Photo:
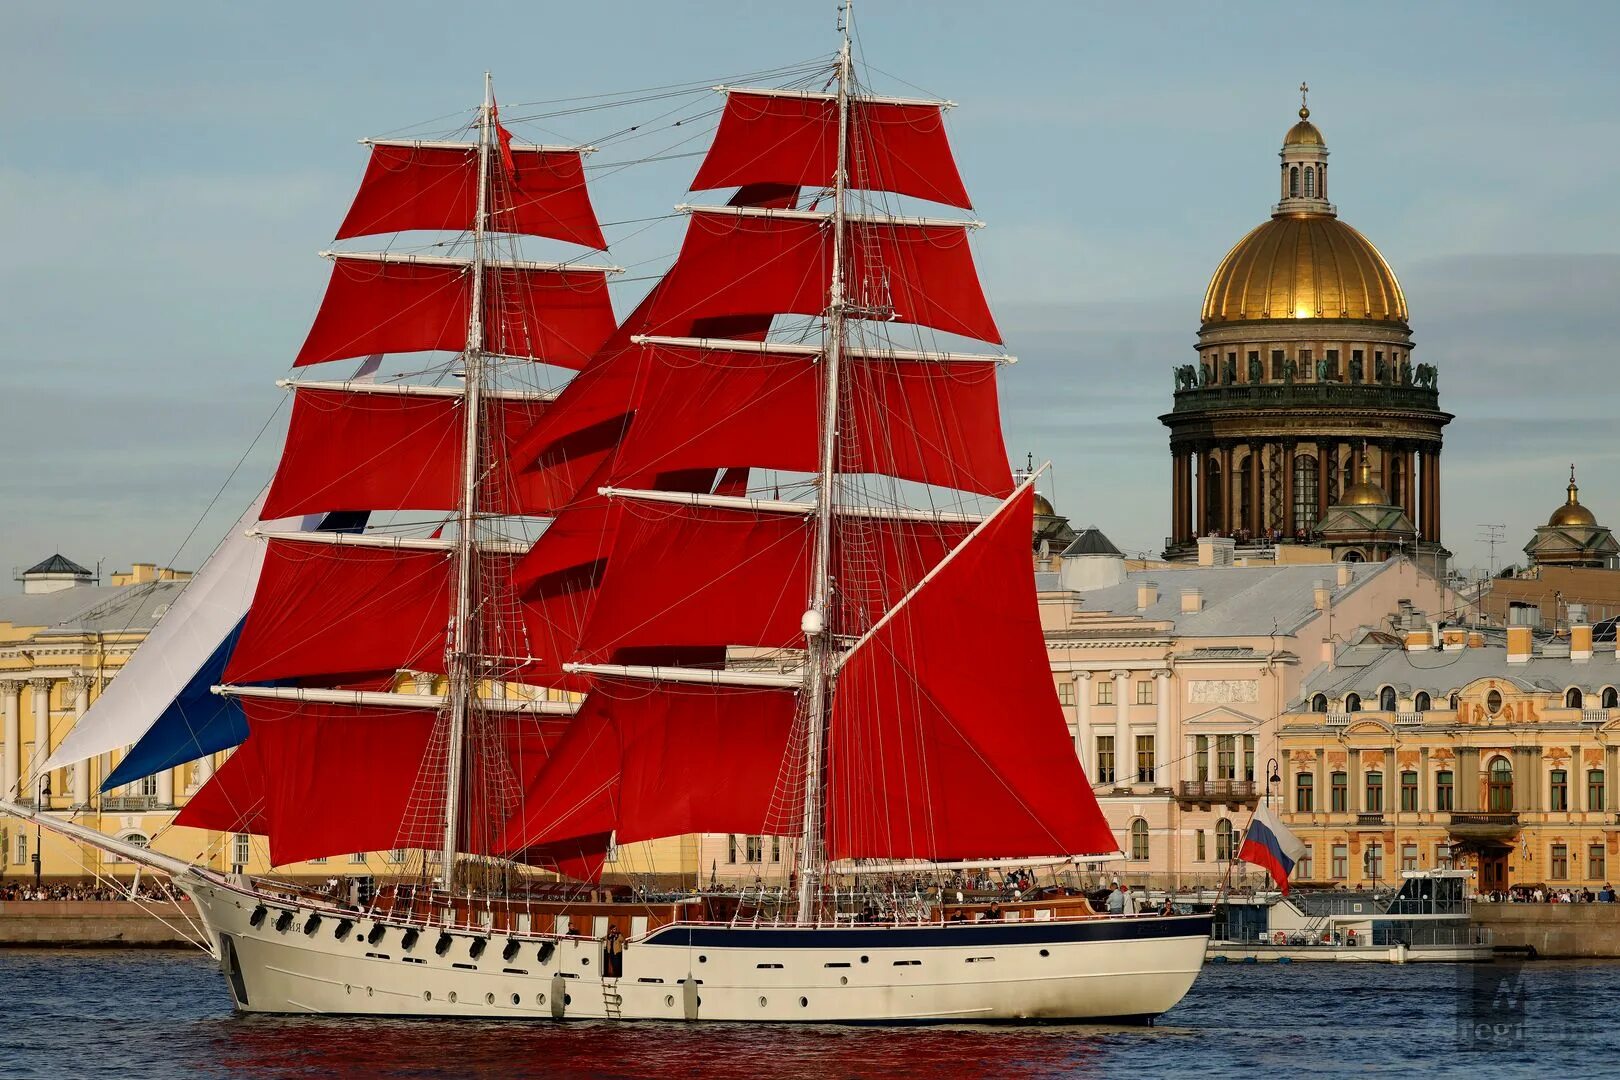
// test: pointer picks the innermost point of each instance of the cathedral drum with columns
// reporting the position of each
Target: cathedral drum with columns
(1305, 397)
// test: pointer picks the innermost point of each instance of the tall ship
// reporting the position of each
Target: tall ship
(759, 568)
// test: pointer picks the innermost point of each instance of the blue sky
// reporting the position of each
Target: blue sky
(172, 169)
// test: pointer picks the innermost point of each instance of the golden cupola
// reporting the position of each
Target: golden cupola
(1364, 492)
(1572, 512)
(1304, 263)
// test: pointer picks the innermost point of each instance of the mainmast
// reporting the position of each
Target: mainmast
(818, 632)
(463, 679)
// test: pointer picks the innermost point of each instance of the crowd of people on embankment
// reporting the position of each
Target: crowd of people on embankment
(154, 892)
(1540, 894)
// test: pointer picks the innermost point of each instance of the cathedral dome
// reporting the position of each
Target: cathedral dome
(1304, 266)
(1304, 133)
(1572, 512)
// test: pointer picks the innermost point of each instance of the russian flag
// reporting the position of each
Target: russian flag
(1270, 844)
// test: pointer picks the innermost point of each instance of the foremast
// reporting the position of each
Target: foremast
(818, 631)
(462, 656)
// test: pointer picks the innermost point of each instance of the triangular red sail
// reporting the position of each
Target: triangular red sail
(922, 761)
(234, 799)
(935, 422)
(646, 764)
(736, 264)
(556, 316)
(694, 575)
(792, 138)
(435, 187)
(356, 450)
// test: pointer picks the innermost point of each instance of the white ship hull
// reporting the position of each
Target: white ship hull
(1121, 968)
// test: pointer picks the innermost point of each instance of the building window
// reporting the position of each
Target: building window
(1422, 703)
(1610, 699)
(1352, 703)
(1248, 757)
(1225, 848)
(1277, 361)
(1310, 182)
(1105, 691)
(1333, 363)
(1201, 757)
(731, 849)
(1305, 499)
(1442, 790)
(1595, 863)
(754, 848)
(1198, 844)
(319, 860)
(1499, 786)
(1139, 840)
(22, 848)
(1305, 363)
(1105, 759)
(1293, 181)
(1559, 863)
(1572, 698)
(1341, 862)
(396, 856)
(1304, 793)
(358, 859)
(1493, 702)
(1357, 371)
(1372, 862)
(1386, 699)
(1226, 757)
(1409, 856)
(1594, 789)
(1066, 692)
(1558, 791)
(1319, 703)
(241, 850)
(1254, 361)
(1454, 700)
(1144, 759)
(1375, 793)
(776, 849)
(1409, 792)
(1144, 692)
(1339, 788)
(1305, 868)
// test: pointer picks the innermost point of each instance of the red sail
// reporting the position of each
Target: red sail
(923, 763)
(396, 305)
(690, 575)
(233, 800)
(793, 139)
(935, 422)
(647, 764)
(737, 264)
(336, 609)
(355, 449)
(415, 186)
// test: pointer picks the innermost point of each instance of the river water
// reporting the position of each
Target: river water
(135, 1015)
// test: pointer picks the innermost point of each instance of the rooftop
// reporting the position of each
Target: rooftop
(1366, 667)
(91, 608)
(58, 564)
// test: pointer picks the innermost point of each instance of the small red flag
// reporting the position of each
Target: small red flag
(503, 137)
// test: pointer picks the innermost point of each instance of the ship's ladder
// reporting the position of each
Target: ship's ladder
(612, 1000)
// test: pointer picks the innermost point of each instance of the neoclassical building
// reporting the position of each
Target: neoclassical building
(1305, 375)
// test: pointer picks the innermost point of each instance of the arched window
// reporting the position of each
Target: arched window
(1611, 700)
(1386, 699)
(1352, 703)
(1421, 702)
(138, 839)
(1319, 703)
(1225, 851)
(1212, 498)
(1454, 700)
(1305, 478)
(1293, 181)
(1572, 698)
(1499, 786)
(1139, 839)
(1310, 183)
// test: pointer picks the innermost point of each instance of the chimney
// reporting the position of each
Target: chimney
(1147, 594)
(1216, 550)
(1453, 638)
(1192, 600)
(1419, 639)
(1476, 640)
(1580, 642)
(1323, 595)
(1327, 652)
(1346, 574)
(1518, 644)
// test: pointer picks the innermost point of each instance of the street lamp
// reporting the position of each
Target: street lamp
(1272, 777)
(42, 793)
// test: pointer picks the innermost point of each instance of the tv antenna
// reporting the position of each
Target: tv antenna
(1491, 535)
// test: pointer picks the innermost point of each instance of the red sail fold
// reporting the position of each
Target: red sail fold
(935, 422)
(409, 186)
(358, 450)
(946, 745)
(793, 139)
(648, 763)
(735, 264)
(556, 316)
(691, 575)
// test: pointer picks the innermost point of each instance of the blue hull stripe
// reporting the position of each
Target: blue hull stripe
(935, 936)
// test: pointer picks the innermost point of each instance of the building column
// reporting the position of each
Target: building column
(12, 689)
(165, 787)
(1175, 497)
(1434, 520)
(1201, 511)
(1082, 725)
(39, 689)
(1124, 753)
(1255, 522)
(1384, 454)
(1228, 518)
(80, 684)
(1161, 738)
(1409, 491)
(1286, 463)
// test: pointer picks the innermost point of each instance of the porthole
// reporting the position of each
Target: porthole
(584, 961)
(516, 1000)
(427, 995)
(804, 1003)
(568, 999)
(368, 991)
(669, 1001)
(489, 999)
(843, 980)
(1044, 952)
(347, 989)
(865, 959)
(762, 1002)
(703, 959)
(539, 999)
(452, 997)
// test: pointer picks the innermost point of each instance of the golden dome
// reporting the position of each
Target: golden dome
(1303, 133)
(1364, 492)
(1304, 266)
(1572, 512)
(1043, 506)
